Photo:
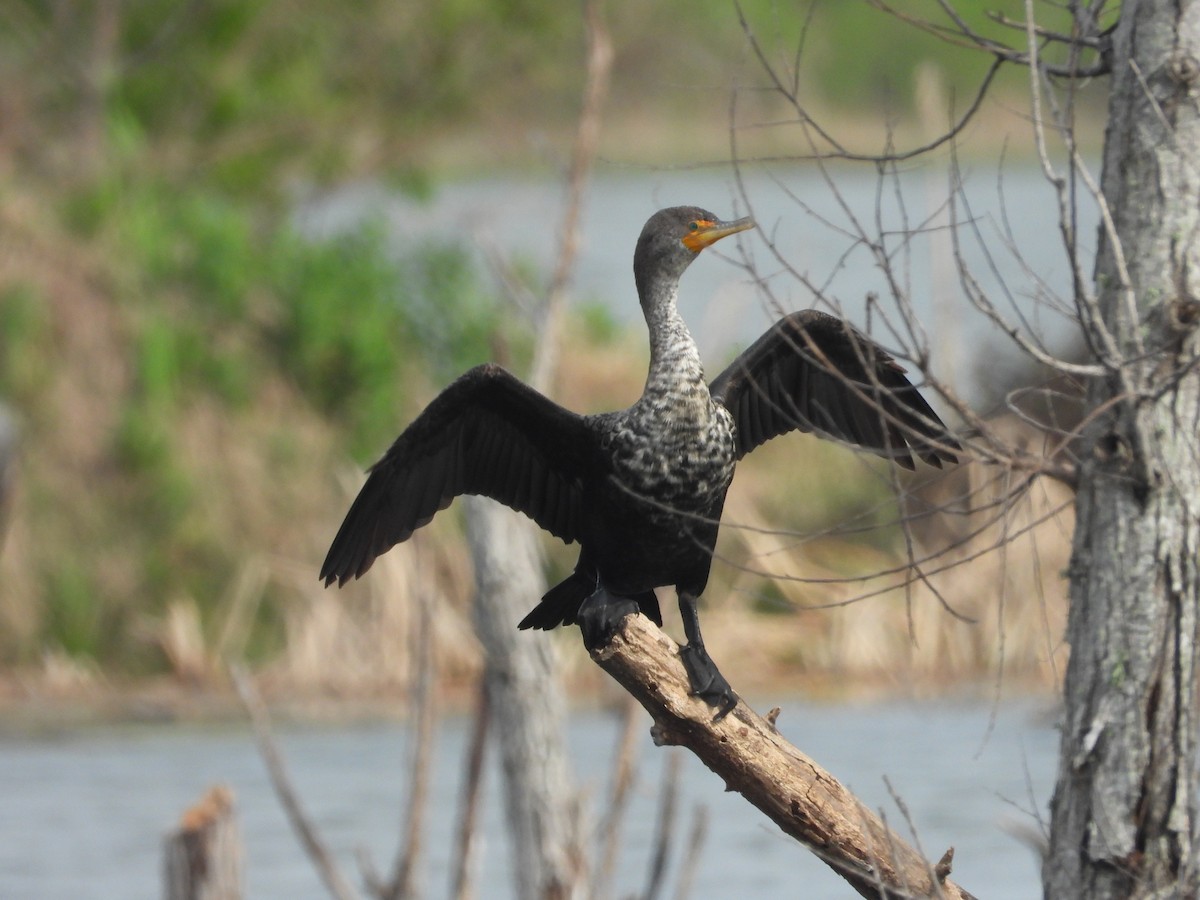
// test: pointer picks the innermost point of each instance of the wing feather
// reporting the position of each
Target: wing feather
(815, 372)
(487, 433)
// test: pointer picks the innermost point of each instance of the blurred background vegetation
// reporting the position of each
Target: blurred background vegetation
(193, 380)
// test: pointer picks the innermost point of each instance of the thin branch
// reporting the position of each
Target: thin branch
(839, 150)
(314, 847)
(587, 136)
(691, 859)
(665, 830)
(941, 871)
(403, 882)
(1092, 42)
(618, 799)
(468, 814)
(963, 35)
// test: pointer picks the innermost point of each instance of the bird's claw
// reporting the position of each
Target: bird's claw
(707, 682)
(600, 617)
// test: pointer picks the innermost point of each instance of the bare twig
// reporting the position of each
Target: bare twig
(618, 798)
(961, 34)
(936, 876)
(468, 815)
(599, 64)
(504, 548)
(840, 151)
(691, 859)
(403, 882)
(320, 856)
(665, 830)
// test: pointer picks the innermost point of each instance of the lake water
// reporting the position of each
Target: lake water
(84, 811)
(1008, 239)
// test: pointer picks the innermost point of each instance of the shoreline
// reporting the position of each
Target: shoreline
(30, 710)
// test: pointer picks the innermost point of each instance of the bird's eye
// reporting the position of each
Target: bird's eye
(694, 226)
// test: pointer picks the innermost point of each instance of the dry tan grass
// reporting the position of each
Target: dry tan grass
(360, 639)
(78, 401)
(991, 602)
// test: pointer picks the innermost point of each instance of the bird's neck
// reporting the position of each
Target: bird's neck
(675, 367)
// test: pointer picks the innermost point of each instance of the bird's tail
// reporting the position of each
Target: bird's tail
(560, 605)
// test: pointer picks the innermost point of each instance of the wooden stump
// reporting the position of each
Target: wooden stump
(202, 858)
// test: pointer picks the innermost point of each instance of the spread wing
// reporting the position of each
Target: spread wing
(487, 433)
(815, 372)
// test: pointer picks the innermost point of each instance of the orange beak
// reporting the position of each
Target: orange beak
(710, 232)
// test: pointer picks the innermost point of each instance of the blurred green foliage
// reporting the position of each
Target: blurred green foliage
(220, 298)
(859, 58)
(24, 323)
(250, 95)
(217, 298)
(356, 317)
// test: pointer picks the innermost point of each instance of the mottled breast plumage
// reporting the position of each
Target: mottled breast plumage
(672, 452)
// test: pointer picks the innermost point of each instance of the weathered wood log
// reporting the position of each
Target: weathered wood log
(754, 760)
(202, 858)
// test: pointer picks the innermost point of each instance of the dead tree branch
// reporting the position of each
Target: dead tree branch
(959, 33)
(791, 93)
(325, 864)
(404, 879)
(466, 845)
(785, 785)
(623, 775)
(583, 153)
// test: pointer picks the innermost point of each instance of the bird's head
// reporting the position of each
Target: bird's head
(672, 238)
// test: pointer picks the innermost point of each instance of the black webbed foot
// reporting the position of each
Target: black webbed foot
(707, 682)
(600, 617)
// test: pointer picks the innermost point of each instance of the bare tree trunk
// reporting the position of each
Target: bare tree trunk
(1124, 811)
(526, 702)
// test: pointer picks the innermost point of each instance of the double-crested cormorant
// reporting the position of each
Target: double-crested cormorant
(641, 489)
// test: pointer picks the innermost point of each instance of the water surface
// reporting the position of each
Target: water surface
(85, 812)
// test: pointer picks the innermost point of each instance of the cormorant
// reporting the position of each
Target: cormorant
(641, 489)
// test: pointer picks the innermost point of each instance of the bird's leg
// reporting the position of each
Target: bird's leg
(600, 616)
(707, 683)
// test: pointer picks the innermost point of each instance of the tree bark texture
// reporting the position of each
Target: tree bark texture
(1123, 816)
(747, 752)
(202, 858)
(526, 701)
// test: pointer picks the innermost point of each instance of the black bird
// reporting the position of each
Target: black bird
(641, 489)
